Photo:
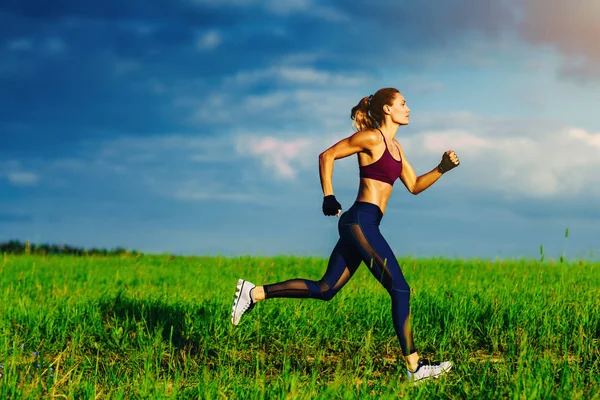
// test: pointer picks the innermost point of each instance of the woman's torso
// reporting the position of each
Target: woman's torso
(376, 191)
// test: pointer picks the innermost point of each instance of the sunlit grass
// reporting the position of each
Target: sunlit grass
(158, 327)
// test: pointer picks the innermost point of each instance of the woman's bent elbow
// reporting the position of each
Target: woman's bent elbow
(324, 156)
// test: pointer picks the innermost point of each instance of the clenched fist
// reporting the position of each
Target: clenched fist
(449, 161)
(331, 205)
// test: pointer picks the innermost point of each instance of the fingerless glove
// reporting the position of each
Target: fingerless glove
(447, 164)
(331, 205)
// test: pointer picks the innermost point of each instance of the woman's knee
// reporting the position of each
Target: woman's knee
(400, 284)
(397, 280)
(393, 280)
(328, 294)
(322, 290)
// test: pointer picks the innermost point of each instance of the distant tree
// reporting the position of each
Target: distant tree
(14, 247)
(119, 251)
(17, 247)
(44, 249)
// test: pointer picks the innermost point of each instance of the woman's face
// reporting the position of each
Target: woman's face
(399, 111)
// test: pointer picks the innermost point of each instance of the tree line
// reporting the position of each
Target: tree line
(18, 247)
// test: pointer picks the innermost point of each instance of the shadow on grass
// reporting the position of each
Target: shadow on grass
(179, 324)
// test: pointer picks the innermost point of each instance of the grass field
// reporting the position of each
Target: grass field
(158, 327)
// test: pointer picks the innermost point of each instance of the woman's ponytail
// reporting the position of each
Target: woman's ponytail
(360, 115)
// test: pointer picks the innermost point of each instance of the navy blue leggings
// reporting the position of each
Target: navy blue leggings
(360, 240)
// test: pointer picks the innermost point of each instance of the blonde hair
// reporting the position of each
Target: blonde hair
(368, 113)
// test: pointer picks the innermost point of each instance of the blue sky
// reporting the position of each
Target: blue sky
(194, 126)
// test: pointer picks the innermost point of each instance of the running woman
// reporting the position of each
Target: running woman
(381, 161)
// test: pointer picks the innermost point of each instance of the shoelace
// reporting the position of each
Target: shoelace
(426, 364)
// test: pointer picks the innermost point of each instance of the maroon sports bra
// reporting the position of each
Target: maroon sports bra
(387, 169)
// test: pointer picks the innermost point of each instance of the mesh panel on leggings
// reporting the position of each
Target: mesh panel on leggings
(292, 288)
(377, 264)
(346, 275)
(303, 288)
(409, 337)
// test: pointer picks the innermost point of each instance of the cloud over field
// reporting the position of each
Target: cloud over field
(534, 161)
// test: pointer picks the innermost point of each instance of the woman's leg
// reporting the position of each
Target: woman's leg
(342, 264)
(382, 263)
(363, 232)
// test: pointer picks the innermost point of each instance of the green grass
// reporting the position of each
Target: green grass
(158, 327)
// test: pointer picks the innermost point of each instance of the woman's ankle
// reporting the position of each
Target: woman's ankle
(412, 361)
(258, 293)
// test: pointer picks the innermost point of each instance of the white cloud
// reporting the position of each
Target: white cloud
(209, 40)
(323, 106)
(417, 85)
(288, 6)
(186, 168)
(54, 45)
(554, 163)
(544, 162)
(13, 171)
(440, 142)
(330, 14)
(23, 178)
(282, 8)
(126, 66)
(591, 139)
(279, 156)
(302, 58)
(50, 45)
(257, 103)
(302, 91)
(20, 44)
(238, 3)
(190, 195)
(304, 75)
(295, 75)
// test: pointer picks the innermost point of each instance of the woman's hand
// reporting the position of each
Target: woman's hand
(331, 206)
(449, 161)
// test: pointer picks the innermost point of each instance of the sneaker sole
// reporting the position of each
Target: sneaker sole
(238, 292)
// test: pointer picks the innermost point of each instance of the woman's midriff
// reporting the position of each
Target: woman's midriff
(376, 192)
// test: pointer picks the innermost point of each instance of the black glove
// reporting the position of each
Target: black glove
(449, 161)
(331, 205)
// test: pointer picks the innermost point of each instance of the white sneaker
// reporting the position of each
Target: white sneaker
(243, 301)
(427, 369)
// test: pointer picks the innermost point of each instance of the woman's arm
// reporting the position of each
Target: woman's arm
(360, 141)
(415, 184)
